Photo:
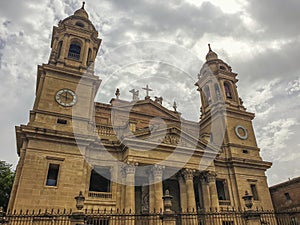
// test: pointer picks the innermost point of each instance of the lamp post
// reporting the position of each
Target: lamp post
(80, 201)
(248, 200)
(252, 217)
(78, 217)
(167, 199)
(168, 217)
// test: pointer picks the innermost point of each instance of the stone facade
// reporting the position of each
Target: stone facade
(117, 153)
(286, 195)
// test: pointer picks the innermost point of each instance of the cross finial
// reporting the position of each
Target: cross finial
(209, 47)
(83, 3)
(147, 89)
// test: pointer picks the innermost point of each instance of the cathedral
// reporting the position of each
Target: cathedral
(126, 153)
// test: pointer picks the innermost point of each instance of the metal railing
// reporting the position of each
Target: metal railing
(94, 194)
(111, 217)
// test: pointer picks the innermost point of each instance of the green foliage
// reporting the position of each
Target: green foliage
(6, 182)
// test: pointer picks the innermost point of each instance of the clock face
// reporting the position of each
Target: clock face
(66, 97)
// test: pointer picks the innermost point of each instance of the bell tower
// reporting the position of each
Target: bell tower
(75, 42)
(226, 124)
(66, 85)
(61, 123)
(219, 95)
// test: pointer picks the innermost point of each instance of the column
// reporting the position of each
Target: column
(157, 172)
(129, 188)
(205, 192)
(54, 51)
(210, 178)
(122, 187)
(64, 50)
(85, 52)
(151, 192)
(191, 201)
(182, 188)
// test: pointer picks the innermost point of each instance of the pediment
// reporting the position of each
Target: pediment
(147, 107)
(171, 136)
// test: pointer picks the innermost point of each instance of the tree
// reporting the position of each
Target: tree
(6, 181)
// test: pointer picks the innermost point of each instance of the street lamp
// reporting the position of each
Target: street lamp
(167, 200)
(248, 200)
(80, 201)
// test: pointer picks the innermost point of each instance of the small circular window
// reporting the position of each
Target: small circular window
(241, 132)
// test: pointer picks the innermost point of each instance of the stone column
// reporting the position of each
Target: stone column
(157, 172)
(129, 188)
(54, 51)
(210, 178)
(182, 188)
(191, 201)
(64, 49)
(205, 193)
(151, 192)
(122, 187)
(85, 52)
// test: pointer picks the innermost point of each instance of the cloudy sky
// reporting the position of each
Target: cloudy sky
(259, 39)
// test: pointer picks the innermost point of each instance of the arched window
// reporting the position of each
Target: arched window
(88, 60)
(59, 49)
(207, 95)
(222, 67)
(74, 51)
(79, 24)
(228, 91)
(217, 91)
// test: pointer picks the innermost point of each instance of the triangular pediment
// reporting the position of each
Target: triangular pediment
(171, 136)
(146, 107)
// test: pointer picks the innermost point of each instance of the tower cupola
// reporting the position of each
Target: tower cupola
(217, 84)
(81, 12)
(211, 55)
(75, 43)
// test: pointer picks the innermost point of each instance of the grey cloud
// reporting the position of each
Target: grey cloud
(174, 22)
(270, 64)
(277, 18)
(162, 20)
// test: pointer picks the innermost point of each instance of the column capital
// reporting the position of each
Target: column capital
(123, 172)
(157, 171)
(209, 176)
(188, 173)
(129, 168)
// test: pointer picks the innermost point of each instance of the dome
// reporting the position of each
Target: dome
(211, 55)
(81, 12)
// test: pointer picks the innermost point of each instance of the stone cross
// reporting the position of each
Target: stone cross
(135, 94)
(147, 89)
